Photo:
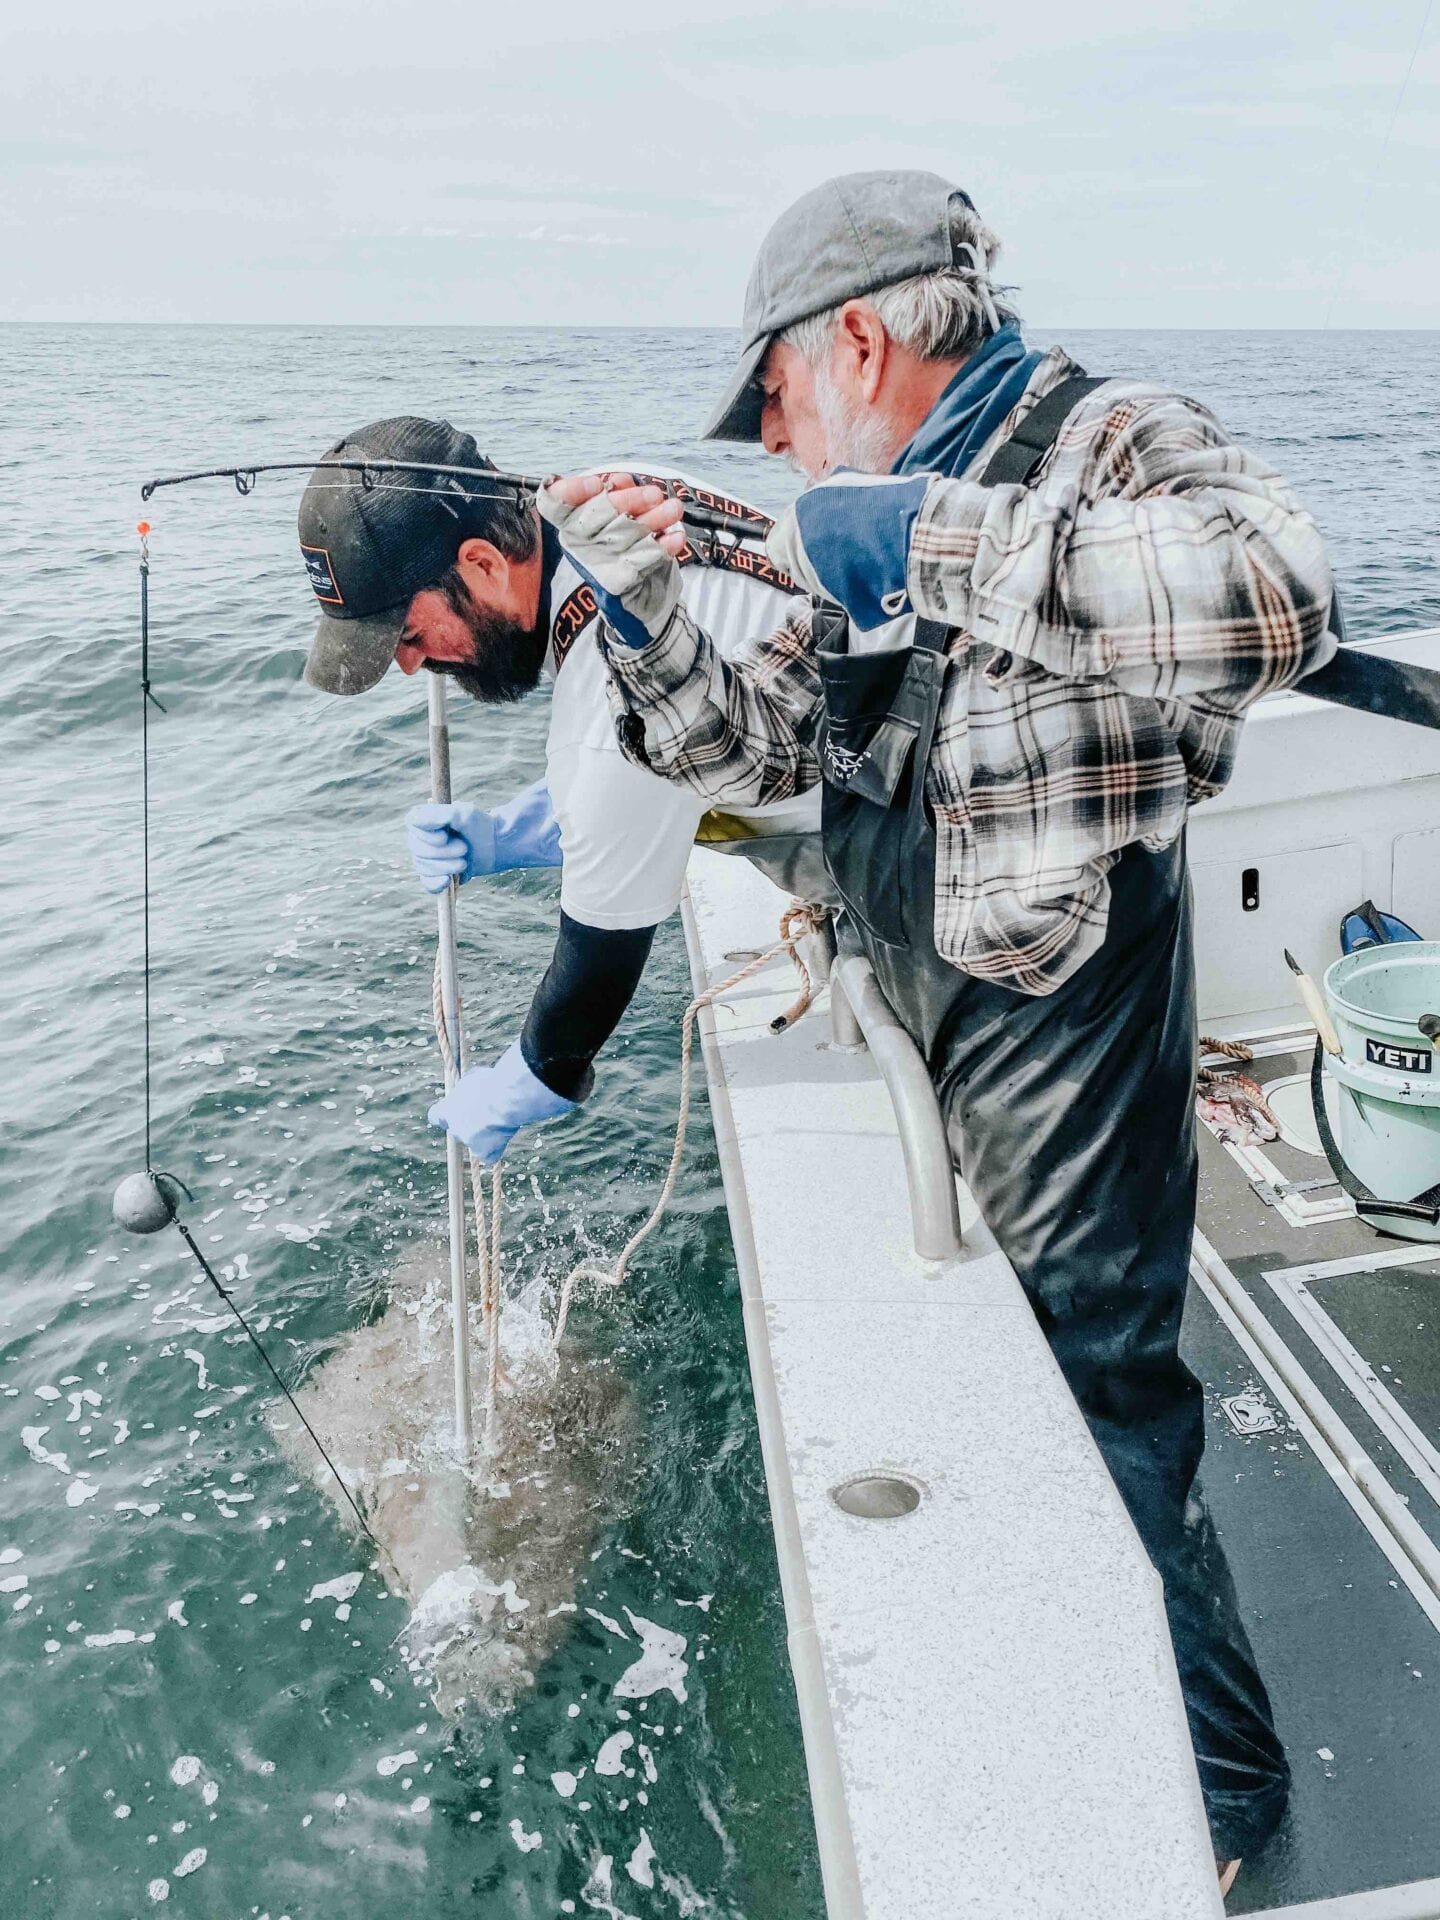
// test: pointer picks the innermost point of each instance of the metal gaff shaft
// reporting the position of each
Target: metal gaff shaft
(454, 1148)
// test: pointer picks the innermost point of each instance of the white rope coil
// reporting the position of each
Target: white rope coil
(798, 921)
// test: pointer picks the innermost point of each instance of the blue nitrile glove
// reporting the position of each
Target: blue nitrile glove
(848, 539)
(457, 842)
(487, 1106)
(637, 584)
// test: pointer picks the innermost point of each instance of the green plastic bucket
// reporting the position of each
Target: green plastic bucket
(1388, 1125)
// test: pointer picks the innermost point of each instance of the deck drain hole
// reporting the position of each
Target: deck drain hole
(878, 1496)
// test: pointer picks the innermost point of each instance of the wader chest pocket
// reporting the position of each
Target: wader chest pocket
(876, 707)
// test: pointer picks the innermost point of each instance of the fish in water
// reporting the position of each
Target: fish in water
(488, 1559)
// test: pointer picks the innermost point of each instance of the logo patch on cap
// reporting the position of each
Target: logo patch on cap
(322, 575)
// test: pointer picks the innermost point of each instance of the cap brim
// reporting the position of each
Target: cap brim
(738, 415)
(351, 656)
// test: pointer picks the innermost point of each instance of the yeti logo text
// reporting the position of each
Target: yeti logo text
(1380, 1053)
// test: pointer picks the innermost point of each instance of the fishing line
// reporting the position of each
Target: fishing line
(254, 1339)
(146, 1202)
(146, 696)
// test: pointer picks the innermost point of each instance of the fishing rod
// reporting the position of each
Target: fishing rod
(1392, 689)
(705, 511)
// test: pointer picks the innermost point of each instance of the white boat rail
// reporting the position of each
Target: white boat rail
(987, 1696)
(929, 1170)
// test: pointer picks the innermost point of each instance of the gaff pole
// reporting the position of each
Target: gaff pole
(454, 1147)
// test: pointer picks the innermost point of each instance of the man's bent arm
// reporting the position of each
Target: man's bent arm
(1196, 571)
(739, 730)
(589, 983)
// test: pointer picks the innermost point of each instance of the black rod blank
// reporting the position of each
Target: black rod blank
(698, 510)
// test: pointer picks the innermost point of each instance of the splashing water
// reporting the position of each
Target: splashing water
(488, 1558)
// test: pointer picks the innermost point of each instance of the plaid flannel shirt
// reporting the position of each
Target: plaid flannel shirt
(1111, 622)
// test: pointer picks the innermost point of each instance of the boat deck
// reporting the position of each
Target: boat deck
(1318, 1341)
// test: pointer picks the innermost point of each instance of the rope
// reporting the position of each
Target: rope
(1226, 1050)
(797, 921)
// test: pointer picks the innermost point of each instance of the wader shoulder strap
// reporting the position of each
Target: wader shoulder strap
(1425, 1206)
(1015, 459)
(904, 736)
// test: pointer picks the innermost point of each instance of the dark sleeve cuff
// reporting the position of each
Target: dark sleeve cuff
(589, 983)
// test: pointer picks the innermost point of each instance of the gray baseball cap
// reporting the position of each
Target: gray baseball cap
(856, 234)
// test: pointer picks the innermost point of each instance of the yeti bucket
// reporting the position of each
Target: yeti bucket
(1388, 1120)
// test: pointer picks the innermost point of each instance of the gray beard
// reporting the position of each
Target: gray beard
(852, 438)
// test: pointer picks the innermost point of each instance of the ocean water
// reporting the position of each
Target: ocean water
(187, 1724)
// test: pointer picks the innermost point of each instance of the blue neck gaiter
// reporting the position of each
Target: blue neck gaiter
(971, 407)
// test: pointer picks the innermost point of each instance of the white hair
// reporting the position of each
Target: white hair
(937, 316)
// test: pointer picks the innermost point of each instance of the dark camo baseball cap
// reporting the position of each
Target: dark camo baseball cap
(370, 549)
(856, 234)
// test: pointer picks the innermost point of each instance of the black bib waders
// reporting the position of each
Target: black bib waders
(1071, 1118)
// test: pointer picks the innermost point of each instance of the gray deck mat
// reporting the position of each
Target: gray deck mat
(1352, 1663)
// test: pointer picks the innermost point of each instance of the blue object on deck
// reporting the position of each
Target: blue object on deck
(1367, 926)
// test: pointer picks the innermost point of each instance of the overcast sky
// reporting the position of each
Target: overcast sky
(1197, 164)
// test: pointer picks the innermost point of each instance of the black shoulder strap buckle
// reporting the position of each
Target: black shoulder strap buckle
(1015, 460)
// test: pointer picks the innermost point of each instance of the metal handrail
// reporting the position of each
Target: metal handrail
(929, 1170)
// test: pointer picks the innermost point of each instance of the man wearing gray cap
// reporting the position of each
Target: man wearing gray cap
(1041, 606)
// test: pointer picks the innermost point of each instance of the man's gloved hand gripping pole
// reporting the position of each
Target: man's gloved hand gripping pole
(590, 982)
(458, 842)
(487, 1106)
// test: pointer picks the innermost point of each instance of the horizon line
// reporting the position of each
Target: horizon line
(612, 326)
